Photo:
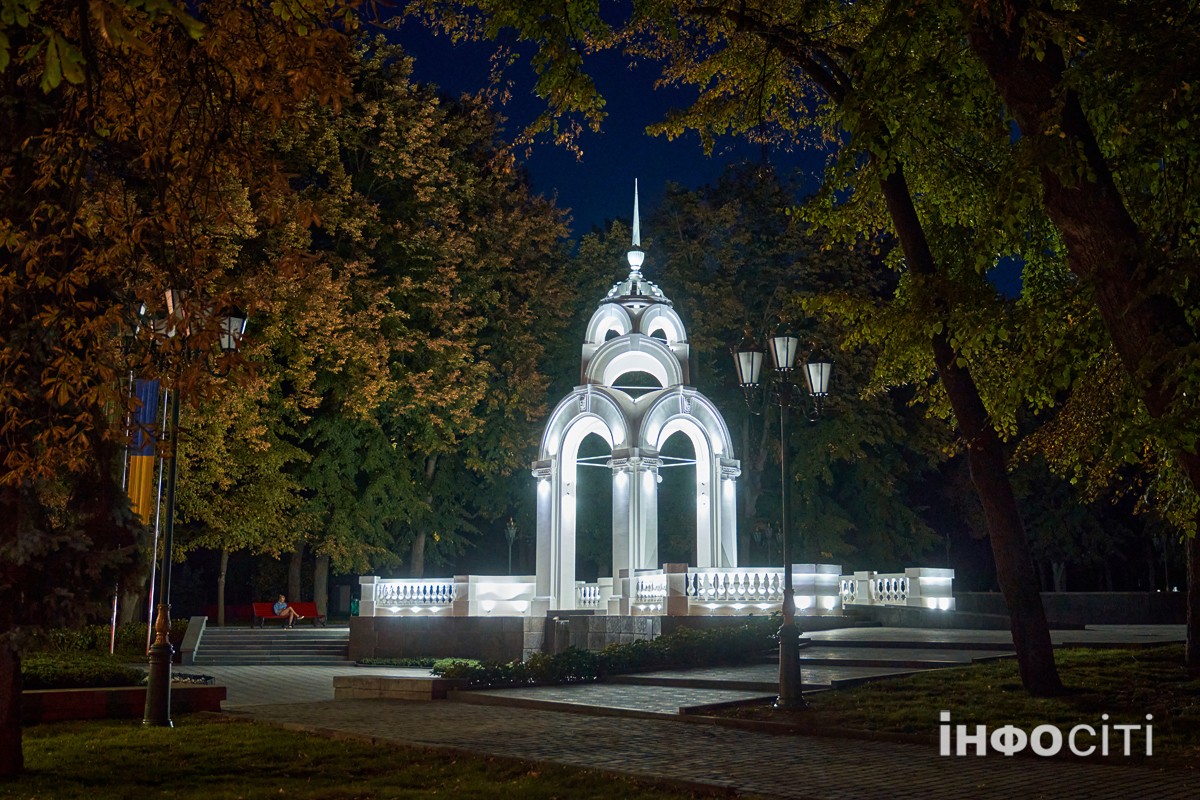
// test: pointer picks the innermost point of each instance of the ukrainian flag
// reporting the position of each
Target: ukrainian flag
(140, 483)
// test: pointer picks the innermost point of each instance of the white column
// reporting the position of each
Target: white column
(707, 525)
(548, 538)
(729, 469)
(635, 509)
(622, 521)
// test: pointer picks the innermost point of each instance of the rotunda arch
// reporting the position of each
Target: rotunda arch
(662, 318)
(608, 318)
(634, 353)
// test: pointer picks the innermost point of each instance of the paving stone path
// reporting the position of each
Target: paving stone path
(641, 733)
(801, 767)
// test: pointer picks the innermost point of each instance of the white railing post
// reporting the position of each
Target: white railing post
(606, 592)
(921, 587)
(676, 579)
(464, 599)
(930, 587)
(366, 597)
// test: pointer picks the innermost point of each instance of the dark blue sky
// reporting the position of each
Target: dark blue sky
(599, 186)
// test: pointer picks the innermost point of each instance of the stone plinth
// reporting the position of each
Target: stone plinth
(483, 638)
(382, 687)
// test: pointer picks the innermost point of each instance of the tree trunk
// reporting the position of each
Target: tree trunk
(1015, 571)
(1104, 246)
(416, 558)
(321, 584)
(132, 600)
(749, 498)
(221, 572)
(1151, 565)
(294, 572)
(12, 758)
(416, 564)
(1060, 576)
(1192, 650)
(754, 459)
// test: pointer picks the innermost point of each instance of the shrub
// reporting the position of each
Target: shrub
(131, 639)
(416, 661)
(687, 647)
(76, 671)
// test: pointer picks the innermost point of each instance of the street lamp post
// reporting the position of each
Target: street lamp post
(510, 533)
(748, 359)
(158, 685)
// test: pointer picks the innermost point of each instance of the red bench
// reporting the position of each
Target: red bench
(266, 611)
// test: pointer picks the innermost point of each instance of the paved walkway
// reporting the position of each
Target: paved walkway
(648, 738)
(801, 767)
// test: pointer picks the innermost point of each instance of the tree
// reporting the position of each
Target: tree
(442, 290)
(1103, 100)
(731, 255)
(130, 163)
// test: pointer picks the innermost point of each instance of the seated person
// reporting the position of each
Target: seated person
(282, 609)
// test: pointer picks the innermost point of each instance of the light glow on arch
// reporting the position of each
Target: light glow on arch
(609, 317)
(634, 361)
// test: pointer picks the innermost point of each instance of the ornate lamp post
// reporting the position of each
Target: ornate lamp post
(748, 359)
(510, 534)
(158, 686)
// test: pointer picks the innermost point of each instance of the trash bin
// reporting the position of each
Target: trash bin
(354, 606)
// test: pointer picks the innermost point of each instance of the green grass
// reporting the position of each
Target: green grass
(207, 757)
(1127, 684)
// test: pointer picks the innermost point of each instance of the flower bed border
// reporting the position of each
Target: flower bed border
(126, 702)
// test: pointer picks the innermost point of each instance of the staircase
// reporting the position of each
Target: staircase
(298, 646)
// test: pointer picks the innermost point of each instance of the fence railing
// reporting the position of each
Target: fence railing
(679, 590)
(921, 587)
(460, 596)
(675, 590)
(594, 596)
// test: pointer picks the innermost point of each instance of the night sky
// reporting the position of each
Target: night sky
(598, 187)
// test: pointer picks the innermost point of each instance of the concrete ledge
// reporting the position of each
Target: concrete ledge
(914, 617)
(483, 638)
(1075, 609)
(191, 640)
(381, 687)
(126, 702)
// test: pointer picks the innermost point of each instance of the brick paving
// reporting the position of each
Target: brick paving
(650, 701)
(642, 734)
(801, 767)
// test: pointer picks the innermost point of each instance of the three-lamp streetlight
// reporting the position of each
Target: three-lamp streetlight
(748, 358)
(230, 328)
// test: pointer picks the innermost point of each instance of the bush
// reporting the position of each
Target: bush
(686, 647)
(76, 671)
(131, 639)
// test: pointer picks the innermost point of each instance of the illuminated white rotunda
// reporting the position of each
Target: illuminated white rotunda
(635, 329)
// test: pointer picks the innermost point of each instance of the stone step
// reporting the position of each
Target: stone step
(283, 661)
(278, 630)
(301, 645)
(256, 653)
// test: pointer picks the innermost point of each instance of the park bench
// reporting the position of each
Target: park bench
(266, 611)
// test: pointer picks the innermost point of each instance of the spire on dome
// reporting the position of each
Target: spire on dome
(637, 227)
(636, 256)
